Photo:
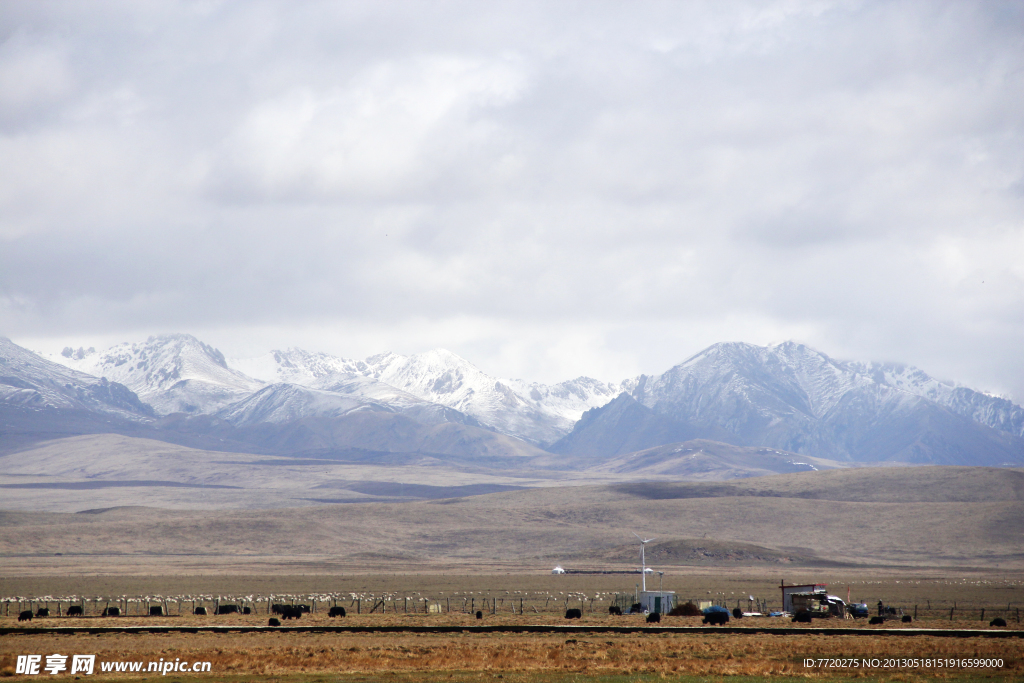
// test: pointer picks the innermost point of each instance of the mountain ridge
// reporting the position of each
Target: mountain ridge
(784, 396)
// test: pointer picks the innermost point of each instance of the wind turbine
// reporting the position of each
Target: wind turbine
(643, 561)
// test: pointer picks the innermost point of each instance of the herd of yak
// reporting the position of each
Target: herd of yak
(296, 611)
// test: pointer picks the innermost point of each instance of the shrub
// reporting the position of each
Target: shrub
(685, 610)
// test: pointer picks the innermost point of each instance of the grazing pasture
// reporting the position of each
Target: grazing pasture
(537, 657)
(279, 653)
(947, 557)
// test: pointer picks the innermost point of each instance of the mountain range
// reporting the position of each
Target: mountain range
(785, 399)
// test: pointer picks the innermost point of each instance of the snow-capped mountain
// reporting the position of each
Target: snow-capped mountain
(792, 397)
(569, 399)
(785, 396)
(334, 396)
(31, 381)
(991, 411)
(443, 377)
(296, 366)
(535, 412)
(281, 403)
(174, 373)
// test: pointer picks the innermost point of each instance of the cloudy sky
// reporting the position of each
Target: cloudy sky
(549, 189)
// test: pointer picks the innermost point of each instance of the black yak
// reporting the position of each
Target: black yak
(876, 620)
(279, 609)
(201, 611)
(716, 618)
(227, 609)
(291, 612)
(74, 610)
(273, 622)
(112, 612)
(654, 618)
(25, 616)
(803, 617)
(336, 612)
(616, 610)
(156, 611)
(574, 613)
(246, 610)
(907, 619)
(42, 612)
(998, 621)
(479, 614)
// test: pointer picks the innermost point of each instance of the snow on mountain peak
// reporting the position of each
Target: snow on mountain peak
(30, 380)
(739, 386)
(171, 372)
(296, 366)
(532, 411)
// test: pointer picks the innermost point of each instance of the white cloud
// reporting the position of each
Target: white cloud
(543, 188)
(393, 129)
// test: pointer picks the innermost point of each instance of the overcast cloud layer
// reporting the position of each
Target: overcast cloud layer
(548, 189)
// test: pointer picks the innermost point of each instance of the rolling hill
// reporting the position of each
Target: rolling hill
(900, 517)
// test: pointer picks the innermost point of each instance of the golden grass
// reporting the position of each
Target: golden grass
(444, 656)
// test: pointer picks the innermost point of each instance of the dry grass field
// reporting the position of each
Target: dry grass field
(465, 656)
(927, 540)
(528, 657)
(908, 518)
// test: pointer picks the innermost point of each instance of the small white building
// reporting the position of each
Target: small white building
(661, 602)
(558, 570)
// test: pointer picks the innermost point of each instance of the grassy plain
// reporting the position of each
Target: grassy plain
(257, 656)
(905, 518)
(534, 658)
(924, 539)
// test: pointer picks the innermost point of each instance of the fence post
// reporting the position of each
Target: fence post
(982, 614)
(951, 613)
